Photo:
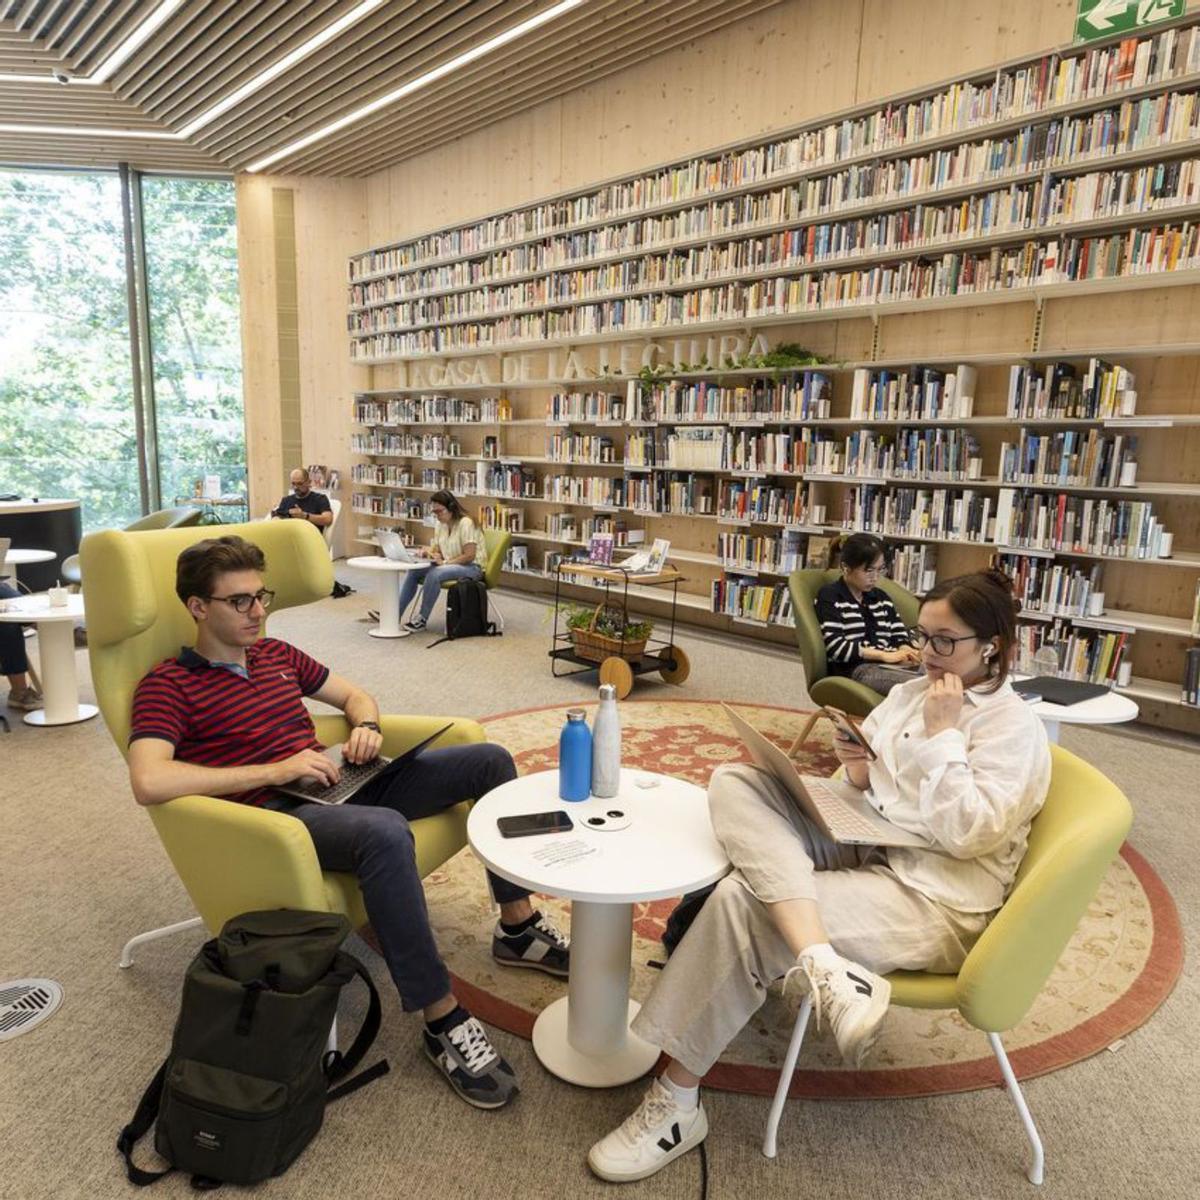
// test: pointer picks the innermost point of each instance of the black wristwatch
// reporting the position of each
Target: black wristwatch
(369, 725)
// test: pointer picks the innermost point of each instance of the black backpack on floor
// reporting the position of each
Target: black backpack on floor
(244, 1088)
(467, 612)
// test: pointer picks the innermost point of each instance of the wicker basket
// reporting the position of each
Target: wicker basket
(596, 647)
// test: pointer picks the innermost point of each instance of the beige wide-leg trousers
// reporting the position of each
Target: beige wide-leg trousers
(719, 974)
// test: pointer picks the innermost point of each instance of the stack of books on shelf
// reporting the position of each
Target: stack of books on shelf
(914, 568)
(1190, 692)
(500, 516)
(696, 449)
(586, 407)
(580, 448)
(749, 502)
(1057, 391)
(745, 599)
(1070, 459)
(1077, 524)
(1044, 586)
(916, 393)
(1088, 655)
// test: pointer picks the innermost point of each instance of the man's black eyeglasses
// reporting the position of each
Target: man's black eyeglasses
(942, 643)
(243, 602)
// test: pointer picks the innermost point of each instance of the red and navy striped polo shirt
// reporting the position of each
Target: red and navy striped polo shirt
(215, 717)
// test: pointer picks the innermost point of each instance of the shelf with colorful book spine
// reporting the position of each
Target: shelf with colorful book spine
(990, 103)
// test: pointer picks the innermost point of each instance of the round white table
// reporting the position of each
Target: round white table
(666, 849)
(56, 648)
(1113, 708)
(389, 589)
(21, 558)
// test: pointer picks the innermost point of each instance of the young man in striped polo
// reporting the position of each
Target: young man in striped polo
(228, 719)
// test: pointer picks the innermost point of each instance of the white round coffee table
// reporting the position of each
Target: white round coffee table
(1113, 708)
(24, 558)
(56, 649)
(389, 589)
(667, 848)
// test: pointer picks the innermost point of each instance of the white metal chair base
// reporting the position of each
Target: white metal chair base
(153, 935)
(1036, 1170)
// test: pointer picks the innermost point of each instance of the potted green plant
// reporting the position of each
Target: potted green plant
(603, 632)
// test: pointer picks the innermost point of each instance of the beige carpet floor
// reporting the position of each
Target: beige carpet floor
(81, 870)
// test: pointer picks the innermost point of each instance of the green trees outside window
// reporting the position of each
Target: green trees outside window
(67, 405)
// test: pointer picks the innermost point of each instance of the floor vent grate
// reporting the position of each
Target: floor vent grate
(26, 1003)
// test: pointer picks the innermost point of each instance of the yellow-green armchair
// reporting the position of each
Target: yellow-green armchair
(838, 691)
(1072, 842)
(232, 858)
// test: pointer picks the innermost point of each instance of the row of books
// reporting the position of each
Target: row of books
(1017, 208)
(960, 106)
(1070, 458)
(410, 445)
(912, 567)
(400, 507)
(1133, 126)
(745, 598)
(916, 393)
(698, 448)
(380, 475)
(1044, 586)
(800, 397)
(1083, 525)
(1088, 655)
(580, 448)
(778, 555)
(1058, 390)
(928, 454)
(586, 406)
(500, 516)
(1190, 690)
(448, 410)
(1136, 252)
(746, 500)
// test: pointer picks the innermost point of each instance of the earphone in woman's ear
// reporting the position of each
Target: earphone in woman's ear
(988, 651)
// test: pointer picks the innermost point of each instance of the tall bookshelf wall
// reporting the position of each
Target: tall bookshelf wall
(1145, 322)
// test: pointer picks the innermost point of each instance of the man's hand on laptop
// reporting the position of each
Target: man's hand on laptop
(308, 765)
(363, 745)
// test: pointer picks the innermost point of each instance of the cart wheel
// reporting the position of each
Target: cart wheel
(682, 668)
(619, 673)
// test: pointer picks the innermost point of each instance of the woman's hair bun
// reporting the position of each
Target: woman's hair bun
(1003, 580)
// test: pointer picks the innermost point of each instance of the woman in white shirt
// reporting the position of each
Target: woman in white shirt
(961, 760)
(456, 552)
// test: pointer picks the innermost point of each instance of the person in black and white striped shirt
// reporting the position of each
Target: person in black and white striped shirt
(865, 637)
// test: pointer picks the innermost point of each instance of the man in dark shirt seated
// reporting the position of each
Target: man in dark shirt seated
(228, 719)
(303, 504)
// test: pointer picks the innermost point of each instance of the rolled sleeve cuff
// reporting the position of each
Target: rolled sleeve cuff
(949, 746)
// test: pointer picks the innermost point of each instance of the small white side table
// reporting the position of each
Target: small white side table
(667, 848)
(23, 558)
(389, 590)
(56, 648)
(1113, 708)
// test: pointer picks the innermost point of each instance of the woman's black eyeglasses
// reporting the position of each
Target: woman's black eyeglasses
(942, 643)
(243, 602)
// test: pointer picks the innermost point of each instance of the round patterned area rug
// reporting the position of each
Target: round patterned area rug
(1121, 964)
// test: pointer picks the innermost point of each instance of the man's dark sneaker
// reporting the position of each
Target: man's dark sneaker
(538, 945)
(471, 1064)
(415, 625)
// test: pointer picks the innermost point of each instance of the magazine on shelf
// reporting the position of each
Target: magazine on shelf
(600, 549)
(649, 562)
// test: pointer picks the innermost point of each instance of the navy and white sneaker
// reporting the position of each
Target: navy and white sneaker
(415, 625)
(539, 946)
(471, 1064)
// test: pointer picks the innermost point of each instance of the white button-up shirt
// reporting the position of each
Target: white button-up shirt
(972, 791)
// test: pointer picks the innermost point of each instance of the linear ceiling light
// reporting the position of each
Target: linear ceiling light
(421, 81)
(87, 131)
(276, 69)
(112, 62)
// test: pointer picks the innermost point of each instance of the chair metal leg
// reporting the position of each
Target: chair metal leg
(331, 1040)
(802, 736)
(785, 1076)
(494, 610)
(153, 935)
(1036, 1170)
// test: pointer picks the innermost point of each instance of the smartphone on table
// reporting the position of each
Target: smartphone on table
(532, 824)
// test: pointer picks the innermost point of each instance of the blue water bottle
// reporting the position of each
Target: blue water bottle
(575, 757)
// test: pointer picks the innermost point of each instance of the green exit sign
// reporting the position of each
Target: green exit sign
(1103, 18)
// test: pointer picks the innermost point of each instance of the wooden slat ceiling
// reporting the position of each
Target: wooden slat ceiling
(207, 49)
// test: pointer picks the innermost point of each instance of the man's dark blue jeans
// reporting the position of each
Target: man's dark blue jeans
(370, 836)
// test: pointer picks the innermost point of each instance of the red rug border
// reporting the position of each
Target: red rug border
(1130, 1010)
